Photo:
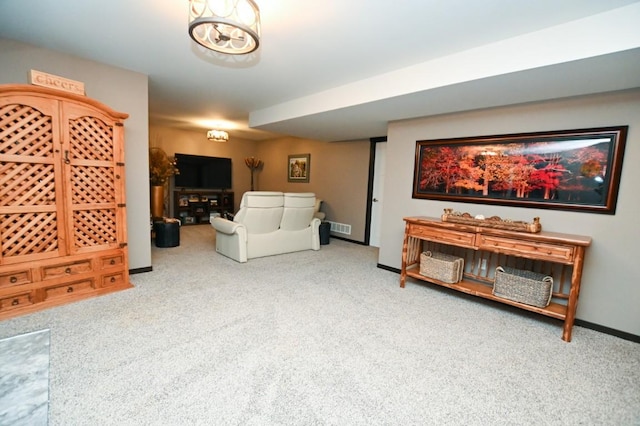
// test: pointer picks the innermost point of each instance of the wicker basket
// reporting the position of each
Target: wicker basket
(530, 288)
(442, 267)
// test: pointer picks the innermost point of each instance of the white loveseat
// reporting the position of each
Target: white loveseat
(269, 223)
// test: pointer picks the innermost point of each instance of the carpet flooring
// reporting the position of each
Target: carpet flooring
(319, 338)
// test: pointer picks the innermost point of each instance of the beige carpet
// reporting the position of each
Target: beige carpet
(319, 338)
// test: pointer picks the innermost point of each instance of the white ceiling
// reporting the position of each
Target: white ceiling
(342, 69)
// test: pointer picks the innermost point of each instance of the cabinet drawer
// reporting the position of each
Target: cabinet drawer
(440, 235)
(15, 301)
(113, 280)
(109, 261)
(57, 271)
(68, 289)
(15, 278)
(542, 251)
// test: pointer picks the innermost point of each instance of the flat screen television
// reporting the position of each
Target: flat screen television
(202, 172)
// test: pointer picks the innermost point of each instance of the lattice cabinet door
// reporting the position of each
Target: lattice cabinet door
(93, 165)
(30, 180)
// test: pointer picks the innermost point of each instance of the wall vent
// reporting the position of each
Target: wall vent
(340, 228)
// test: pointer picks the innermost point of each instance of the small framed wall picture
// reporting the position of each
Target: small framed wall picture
(298, 168)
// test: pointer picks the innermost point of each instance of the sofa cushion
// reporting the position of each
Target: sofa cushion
(260, 211)
(298, 211)
(262, 199)
(299, 199)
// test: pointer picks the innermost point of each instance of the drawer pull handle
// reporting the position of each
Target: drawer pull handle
(112, 262)
(13, 280)
(15, 302)
(113, 279)
(67, 271)
(70, 290)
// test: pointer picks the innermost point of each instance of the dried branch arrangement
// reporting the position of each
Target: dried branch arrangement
(253, 164)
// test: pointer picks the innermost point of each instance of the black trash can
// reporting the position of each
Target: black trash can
(325, 233)
(167, 234)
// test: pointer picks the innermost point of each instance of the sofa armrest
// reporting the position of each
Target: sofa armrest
(225, 226)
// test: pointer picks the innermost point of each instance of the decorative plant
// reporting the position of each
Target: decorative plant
(161, 167)
(253, 164)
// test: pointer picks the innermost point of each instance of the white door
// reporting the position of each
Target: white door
(378, 192)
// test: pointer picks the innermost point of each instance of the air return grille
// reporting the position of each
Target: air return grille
(340, 228)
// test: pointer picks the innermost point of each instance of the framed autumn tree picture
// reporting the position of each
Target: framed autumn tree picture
(576, 170)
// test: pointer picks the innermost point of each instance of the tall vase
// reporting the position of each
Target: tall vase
(157, 201)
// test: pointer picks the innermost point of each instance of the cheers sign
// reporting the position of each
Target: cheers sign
(39, 78)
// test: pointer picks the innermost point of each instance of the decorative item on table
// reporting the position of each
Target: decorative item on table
(441, 266)
(492, 222)
(528, 287)
(170, 220)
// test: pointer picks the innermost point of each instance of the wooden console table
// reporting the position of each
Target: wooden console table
(483, 249)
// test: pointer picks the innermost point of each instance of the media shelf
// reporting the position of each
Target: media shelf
(194, 207)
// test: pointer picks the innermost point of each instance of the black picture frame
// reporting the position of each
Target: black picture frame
(575, 170)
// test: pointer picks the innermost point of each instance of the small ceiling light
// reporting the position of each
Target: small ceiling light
(226, 26)
(218, 135)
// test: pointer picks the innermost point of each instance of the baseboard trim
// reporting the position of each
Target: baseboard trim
(607, 330)
(348, 240)
(140, 270)
(388, 268)
(586, 324)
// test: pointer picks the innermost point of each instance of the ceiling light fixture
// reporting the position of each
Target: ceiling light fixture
(218, 135)
(226, 26)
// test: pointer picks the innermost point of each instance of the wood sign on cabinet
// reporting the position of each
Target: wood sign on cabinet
(483, 249)
(63, 230)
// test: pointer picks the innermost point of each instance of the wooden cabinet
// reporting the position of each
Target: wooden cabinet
(62, 199)
(193, 207)
(483, 249)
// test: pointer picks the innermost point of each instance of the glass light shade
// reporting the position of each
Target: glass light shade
(226, 26)
(218, 135)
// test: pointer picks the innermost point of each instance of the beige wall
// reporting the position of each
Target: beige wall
(338, 170)
(610, 293)
(122, 90)
(338, 175)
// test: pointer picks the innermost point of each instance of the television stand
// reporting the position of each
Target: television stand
(196, 206)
